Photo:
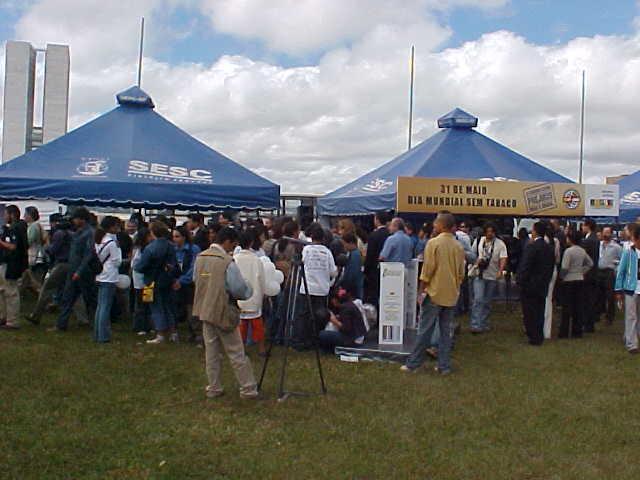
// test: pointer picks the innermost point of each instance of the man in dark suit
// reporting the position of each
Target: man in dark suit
(592, 289)
(374, 247)
(534, 274)
(199, 234)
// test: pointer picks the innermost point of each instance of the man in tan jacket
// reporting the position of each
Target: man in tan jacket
(442, 274)
(219, 284)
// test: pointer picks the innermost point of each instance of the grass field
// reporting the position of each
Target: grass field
(73, 409)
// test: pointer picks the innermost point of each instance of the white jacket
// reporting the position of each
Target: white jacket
(252, 270)
(110, 255)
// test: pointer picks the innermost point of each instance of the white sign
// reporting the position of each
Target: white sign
(411, 294)
(602, 200)
(392, 300)
(160, 171)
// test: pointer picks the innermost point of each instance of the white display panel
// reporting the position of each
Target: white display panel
(392, 302)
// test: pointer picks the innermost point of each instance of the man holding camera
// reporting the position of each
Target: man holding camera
(491, 262)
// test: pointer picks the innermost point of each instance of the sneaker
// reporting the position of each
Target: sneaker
(442, 372)
(31, 318)
(141, 333)
(55, 329)
(156, 341)
(406, 369)
(477, 331)
(251, 396)
(174, 337)
(9, 326)
(213, 393)
(634, 351)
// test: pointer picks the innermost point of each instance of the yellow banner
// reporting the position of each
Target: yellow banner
(526, 199)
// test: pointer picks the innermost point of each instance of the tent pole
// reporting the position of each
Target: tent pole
(581, 132)
(140, 52)
(411, 95)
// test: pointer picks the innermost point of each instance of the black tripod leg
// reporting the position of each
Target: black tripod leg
(288, 327)
(265, 364)
(280, 328)
(314, 326)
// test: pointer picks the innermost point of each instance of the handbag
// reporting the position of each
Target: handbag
(147, 293)
(230, 318)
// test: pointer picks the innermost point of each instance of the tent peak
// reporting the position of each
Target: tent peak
(457, 118)
(136, 97)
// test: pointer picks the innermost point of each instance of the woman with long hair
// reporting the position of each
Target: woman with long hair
(345, 226)
(183, 286)
(158, 265)
(110, 255)
(141, 311)
(575, 263)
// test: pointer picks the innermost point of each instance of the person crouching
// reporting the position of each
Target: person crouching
(218, 286)
(346, 326)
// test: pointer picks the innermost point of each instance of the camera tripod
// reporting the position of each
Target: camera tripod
(286, 323)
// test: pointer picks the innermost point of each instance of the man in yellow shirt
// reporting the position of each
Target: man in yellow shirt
(442, 274)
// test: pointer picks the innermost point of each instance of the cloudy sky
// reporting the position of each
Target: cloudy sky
(313, 93)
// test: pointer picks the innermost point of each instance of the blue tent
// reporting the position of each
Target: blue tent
(630, 197)
(133, 157)
(456, 151)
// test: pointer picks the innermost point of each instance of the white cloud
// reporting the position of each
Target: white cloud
(316, 127)
(299, 26)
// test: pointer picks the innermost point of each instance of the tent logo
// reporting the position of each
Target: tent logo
(632, 198)
(92, 167)
(571, 199)
(377, 185)
(162, 172)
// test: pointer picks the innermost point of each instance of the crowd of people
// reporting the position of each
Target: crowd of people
(226, 281)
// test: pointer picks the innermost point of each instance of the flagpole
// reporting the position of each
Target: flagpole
(582, 130)
(140, 52)
(411, 96)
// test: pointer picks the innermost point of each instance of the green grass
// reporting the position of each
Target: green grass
(73, 409)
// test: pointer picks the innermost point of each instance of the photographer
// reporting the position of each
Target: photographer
(492, 261)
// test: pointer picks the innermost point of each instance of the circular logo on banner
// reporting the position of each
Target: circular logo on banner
(93, 167)
(571, 199)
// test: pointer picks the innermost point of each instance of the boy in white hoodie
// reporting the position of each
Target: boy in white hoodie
(252, 270)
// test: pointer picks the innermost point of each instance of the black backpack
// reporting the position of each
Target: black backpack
(96, 265)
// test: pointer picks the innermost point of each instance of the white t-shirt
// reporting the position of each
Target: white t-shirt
(497, 252)
(319, 268)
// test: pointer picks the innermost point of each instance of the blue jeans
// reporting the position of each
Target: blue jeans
(73, 289)
(162, 311)
(433, 315)
(329, 340)
(102, 324)
(483, 292)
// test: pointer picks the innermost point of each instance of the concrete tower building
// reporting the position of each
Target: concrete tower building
(19, 134)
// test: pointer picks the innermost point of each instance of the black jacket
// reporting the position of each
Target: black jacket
(592, 247)
(374, 247)
(536, 269)
(17, 260)
(201, 239)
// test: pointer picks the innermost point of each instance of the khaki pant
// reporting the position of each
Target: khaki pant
(10, 301)
(631, 324)
(214, 341)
